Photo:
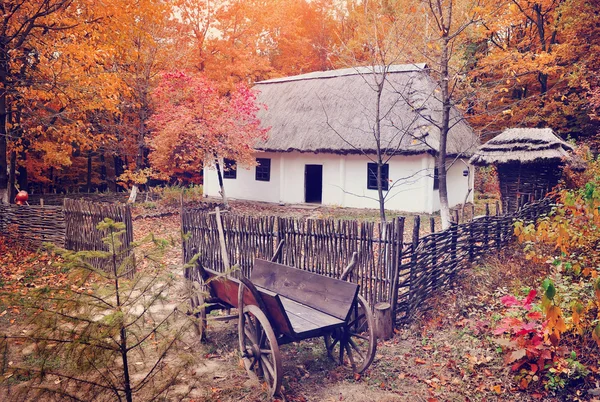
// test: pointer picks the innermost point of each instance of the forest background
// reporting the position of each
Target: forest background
(86, 85)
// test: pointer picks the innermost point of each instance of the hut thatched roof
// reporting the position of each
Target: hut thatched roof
(523, 145)
(334, 111)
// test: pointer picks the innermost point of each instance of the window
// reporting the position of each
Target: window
(229, 169)
(372, 176)
(436, 179)
(263, 169)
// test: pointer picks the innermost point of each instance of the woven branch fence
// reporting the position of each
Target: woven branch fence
(403, 269)
(33, 224)
(72, 226)
(81, 233)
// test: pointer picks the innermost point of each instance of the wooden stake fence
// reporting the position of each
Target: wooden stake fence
(81, 233)
(72, 226)
(389, 270)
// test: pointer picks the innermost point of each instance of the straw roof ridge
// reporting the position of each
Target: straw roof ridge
(334, 112)
(342, 72)
(523, 145)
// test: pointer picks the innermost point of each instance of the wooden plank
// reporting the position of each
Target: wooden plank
(328, 295)
(226, 290)
(307, 317)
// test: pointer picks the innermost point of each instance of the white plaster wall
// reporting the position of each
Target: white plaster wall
(413, 192)
(245, 186)
(458, 185)
(292, 190)
(410, 193)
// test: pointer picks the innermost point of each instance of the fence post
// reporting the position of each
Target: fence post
(498, 226)
(397, 264)
(433, 248)
(453, 244)
(486, 227)
(471, 240)
(413, 261)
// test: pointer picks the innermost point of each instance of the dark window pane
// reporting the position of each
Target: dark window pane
(372, 176)
(436, 179)
(229, 169)
(263, 169)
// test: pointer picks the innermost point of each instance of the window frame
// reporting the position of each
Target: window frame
(263, 169)
(228, 172)
(372, 178)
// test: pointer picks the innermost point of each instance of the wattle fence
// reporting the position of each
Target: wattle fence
(33, 224)
(81, 219)
(72, 226)
(403, 269)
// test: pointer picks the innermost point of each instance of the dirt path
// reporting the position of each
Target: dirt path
(444, 359)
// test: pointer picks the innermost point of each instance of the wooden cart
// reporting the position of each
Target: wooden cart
(280, 304)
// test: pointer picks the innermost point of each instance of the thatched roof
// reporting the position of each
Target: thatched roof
(525, 145)
(334, 111)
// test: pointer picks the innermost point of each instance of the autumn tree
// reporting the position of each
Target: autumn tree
(194, 125)
(144, 49)
(20, 22)
(536, 65)
(380, 34)
(374, 39)
(55, 75)
(445, 41)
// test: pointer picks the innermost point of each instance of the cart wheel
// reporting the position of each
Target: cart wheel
(198, 305)
(356, 340)
(259, 347)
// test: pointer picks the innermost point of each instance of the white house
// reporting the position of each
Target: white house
(322, 142)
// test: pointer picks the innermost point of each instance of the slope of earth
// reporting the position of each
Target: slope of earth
(448, 354)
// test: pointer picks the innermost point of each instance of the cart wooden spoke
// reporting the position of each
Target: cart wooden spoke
(354, 344)
(259, 348)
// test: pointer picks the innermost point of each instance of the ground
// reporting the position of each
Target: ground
(447, 354)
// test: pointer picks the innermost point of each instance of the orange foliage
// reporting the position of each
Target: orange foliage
(533, 65)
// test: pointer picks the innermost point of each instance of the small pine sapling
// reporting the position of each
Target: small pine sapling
(107, 334)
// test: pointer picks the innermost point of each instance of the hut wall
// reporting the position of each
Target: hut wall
(245, 186)
(344, 181)
(525, 180)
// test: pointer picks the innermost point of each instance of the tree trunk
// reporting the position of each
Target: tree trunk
(220, 176)
(89, 172)
(51, 179)
(4, 196)
(445, 127)
(12, 193)
(118, 170)
(380, 192)
(141, 144)
(380, 195)
(22, 169)
(103, 178)
(133, 194)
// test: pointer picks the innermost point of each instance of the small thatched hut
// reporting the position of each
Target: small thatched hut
(528, 160)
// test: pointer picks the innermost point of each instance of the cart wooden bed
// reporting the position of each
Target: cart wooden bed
(280, 304)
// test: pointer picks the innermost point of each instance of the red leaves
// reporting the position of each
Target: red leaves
(194, 120)
(512, 301)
